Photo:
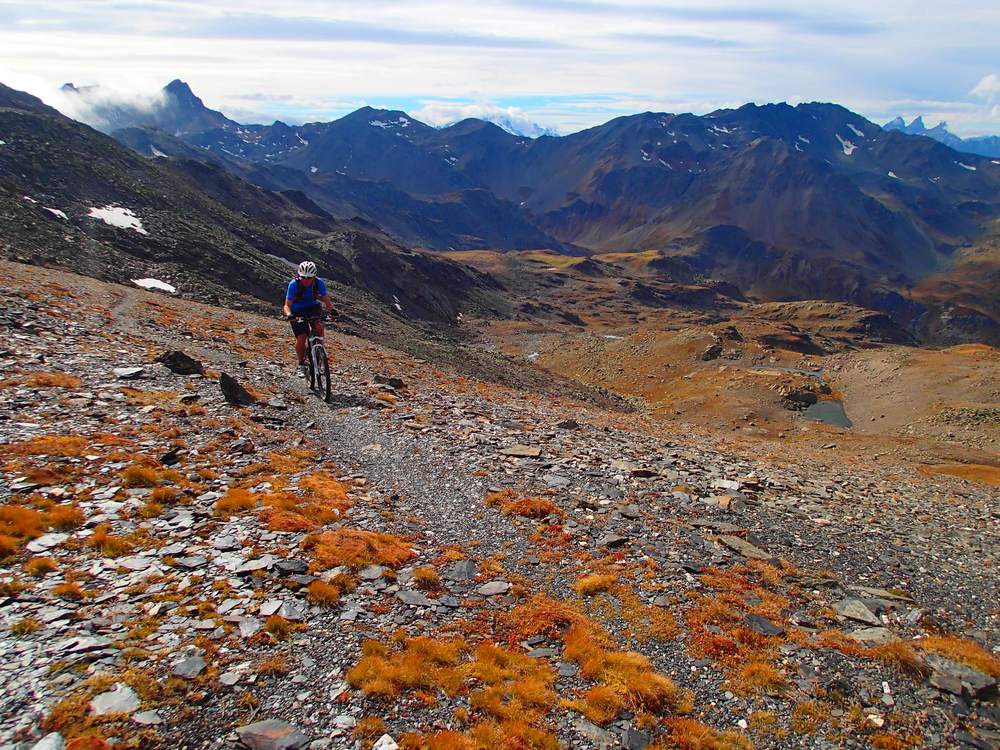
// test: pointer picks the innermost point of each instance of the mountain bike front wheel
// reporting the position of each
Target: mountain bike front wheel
(322, 373)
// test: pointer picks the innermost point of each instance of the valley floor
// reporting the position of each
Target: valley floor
(446, 561)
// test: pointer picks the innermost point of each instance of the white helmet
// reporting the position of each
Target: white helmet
(307, 269)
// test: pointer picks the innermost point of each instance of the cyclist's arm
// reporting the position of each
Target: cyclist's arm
(325, 299)
(287, 309)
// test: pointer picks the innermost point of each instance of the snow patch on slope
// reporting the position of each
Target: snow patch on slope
(117, 216)
(963, 165)
(155, 284)
(849, 148)
(57, 212)
(856, 132)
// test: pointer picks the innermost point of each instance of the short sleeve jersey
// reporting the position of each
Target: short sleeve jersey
(302, 298)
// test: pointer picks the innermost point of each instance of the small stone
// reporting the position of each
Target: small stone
(371, 572)
(46, 542)
(394, 383)
(134, 562)
(385, 742)
(272, 734)
(635, 739)
(959, 679)
(121, 700)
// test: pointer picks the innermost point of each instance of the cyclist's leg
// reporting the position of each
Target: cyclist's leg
(318, 324)
(301, 331)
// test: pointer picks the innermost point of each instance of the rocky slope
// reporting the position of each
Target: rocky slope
(436, 562)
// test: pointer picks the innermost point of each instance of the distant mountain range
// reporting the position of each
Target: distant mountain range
(781, 202)
(987, 145)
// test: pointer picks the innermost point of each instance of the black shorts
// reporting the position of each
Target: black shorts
(301, 328)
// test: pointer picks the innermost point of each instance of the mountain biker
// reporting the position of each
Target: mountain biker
(306, 297)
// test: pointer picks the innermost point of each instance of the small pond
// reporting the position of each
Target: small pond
(829, 412)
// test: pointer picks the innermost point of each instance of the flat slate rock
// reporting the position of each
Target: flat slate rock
(414, 598)
(612, 541)
(121, 700)
(743, 547)
(959, 679)
(189, 668)
(462, 570)
(763, 626)
(873, 636)
(272, 734)
(855, 609)
(522, 451)
(493, 588)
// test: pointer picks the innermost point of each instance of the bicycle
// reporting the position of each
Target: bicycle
(319, 364)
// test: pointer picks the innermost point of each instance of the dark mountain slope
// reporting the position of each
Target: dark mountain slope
(194, 225)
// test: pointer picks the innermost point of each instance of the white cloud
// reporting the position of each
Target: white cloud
(445, 113)
(988, 88)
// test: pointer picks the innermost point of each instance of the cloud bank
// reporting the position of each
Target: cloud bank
(567, 64)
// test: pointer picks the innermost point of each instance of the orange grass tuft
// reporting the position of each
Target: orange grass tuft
(355, 549)
(234, 502)
(427, 578)
(53, 380)
(529, 507)
(107, 543)
(66, 517)
(39, 567)
(594, 584)
(283, 511)
(690, 734)
(140, 476)
(424, 663)
(600, 704)
(70, 592)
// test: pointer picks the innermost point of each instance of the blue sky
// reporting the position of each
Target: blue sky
(564, 64)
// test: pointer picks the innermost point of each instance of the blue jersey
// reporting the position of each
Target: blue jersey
(302, 298)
